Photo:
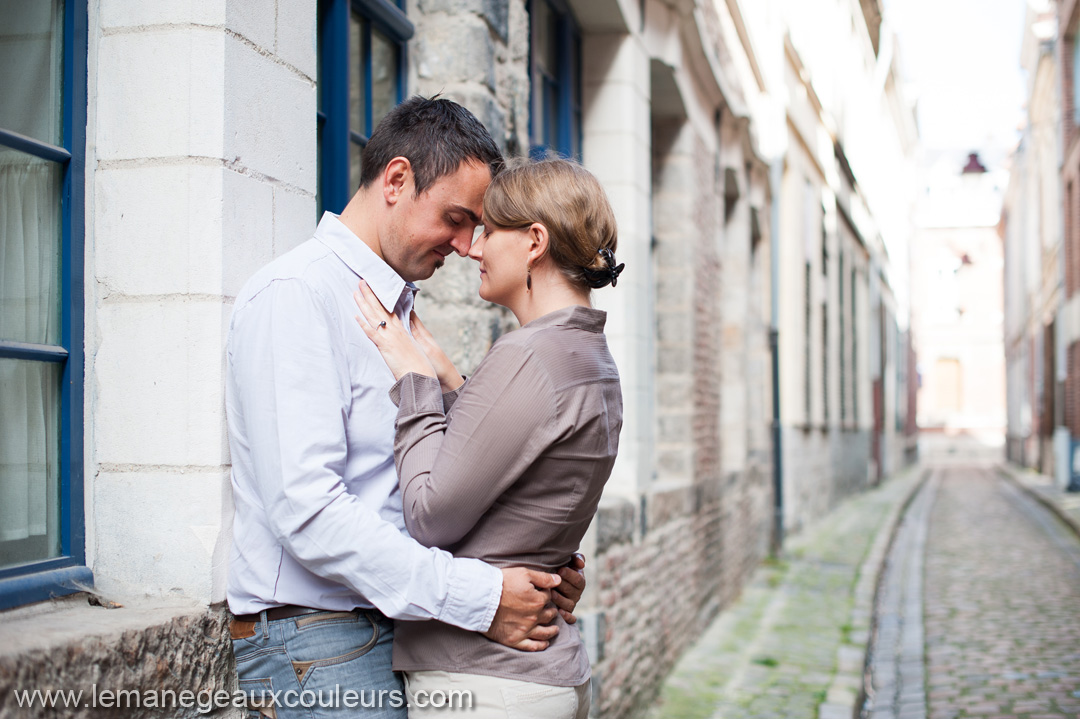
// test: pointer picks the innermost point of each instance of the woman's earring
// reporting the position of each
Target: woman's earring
(528, 278)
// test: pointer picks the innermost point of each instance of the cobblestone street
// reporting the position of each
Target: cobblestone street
(977, 612)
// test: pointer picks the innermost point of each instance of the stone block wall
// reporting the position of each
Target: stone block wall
(473, 52)
(832, 464)
(807, 493)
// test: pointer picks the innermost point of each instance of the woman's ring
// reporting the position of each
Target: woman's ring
(382, 324)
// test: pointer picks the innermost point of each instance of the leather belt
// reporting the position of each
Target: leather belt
(287, 612)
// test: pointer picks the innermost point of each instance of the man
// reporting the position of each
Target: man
(318, 528)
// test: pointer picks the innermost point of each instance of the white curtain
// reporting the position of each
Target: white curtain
(31, 45)
(29, 312)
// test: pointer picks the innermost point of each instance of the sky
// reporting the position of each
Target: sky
(961, 63)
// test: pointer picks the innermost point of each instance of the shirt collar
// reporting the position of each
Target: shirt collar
(577, 316)
(361, 259)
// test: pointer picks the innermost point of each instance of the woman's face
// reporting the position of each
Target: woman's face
(503, 256)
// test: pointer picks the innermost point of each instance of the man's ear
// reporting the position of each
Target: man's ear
(397, 179)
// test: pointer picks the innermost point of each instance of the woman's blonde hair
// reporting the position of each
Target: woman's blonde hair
(568, 200)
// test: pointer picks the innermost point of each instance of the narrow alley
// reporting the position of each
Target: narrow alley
(987, 624)
(974, 612)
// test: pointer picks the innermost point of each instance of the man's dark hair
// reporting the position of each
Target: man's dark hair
(436, 135)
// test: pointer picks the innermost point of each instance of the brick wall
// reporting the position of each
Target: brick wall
(663, 572)
(1072, 390)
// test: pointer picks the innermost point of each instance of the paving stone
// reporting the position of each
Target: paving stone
(834, 711)
(1002, 594)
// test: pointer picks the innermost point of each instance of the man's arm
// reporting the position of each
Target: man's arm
(293, 391)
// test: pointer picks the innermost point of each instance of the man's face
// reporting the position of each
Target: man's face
(425, 229)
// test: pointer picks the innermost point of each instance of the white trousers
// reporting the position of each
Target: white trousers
(434, 694)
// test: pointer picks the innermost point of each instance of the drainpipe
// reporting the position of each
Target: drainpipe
(776, 170)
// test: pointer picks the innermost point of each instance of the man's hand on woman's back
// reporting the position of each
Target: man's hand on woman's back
(526, 610)
(568, 593)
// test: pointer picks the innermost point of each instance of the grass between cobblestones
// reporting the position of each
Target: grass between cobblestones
(773, 653)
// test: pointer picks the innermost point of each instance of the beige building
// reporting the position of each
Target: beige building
(958, 314)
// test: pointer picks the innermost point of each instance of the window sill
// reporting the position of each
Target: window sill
(47, 584)
(72, 620)
(149, 645)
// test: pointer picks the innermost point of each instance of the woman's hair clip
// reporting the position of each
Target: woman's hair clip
(609, 274)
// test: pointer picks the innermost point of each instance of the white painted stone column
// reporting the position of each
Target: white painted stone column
(735, 309)
(617, 147)
(200, 168)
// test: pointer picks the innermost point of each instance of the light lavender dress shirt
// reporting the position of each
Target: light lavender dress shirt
(318, 519)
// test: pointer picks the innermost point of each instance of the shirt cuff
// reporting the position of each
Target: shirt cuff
(474, 595)
(415, 393)
(450, 397)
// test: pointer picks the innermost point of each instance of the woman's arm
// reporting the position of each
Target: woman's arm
(403, 351)
(450, 475)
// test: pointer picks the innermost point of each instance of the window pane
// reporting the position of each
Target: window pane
(537, 114)
(384, 75)
(551, 115)
(357, 97)
(29, 461)
(542, 25)
(31, 68)
(29, 248)
(545, 33)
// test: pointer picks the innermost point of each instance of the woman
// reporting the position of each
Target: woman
(509, 467)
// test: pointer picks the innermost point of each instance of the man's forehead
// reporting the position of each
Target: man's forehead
(466, 171)
(461, 191)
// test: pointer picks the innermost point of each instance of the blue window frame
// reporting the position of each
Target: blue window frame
(362, 61)
(555, 80)
(42, 139)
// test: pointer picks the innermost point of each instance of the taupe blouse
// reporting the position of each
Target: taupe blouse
(509, 469)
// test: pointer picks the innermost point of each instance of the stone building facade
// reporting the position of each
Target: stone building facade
(1031, 226)
(757, 202)
(1040, 226)
(846, 203)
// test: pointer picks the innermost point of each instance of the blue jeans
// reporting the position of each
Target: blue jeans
(326, 664)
